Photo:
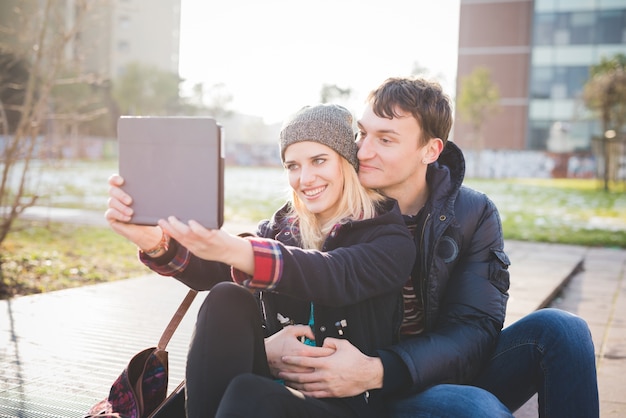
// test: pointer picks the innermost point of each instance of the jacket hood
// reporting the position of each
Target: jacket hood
(445, 176)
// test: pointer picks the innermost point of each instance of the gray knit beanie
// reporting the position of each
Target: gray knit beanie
(327, 124)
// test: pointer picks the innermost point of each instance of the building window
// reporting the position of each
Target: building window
(611, 27)
(558, 82)
(541, 81)
(123, 46)
(575, 79)
(562, 29)
(582, 28)
(124, 21)
(539, 132)
(572, 135)
(544, 29)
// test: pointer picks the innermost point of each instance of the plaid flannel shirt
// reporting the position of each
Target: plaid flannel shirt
(268, 264)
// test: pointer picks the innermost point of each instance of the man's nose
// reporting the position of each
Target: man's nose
(364, 149)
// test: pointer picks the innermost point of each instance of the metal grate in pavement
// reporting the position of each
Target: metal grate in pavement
(60, 352)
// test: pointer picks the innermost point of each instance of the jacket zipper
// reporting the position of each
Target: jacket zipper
(424, 269)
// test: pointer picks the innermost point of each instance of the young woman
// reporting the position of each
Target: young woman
(334, 259)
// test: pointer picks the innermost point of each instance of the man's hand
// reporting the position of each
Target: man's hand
(346, 372)
(287, 342)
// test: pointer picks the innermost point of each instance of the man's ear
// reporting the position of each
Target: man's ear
(432, 150)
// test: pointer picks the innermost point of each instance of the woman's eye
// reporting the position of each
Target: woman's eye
(318, 161)
(291, 167)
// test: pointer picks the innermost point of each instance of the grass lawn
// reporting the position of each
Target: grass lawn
(564, 211)
(39, 257)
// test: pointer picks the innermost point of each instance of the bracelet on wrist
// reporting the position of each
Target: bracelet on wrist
(160, 248)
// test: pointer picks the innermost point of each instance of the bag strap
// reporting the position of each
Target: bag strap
(175, 321)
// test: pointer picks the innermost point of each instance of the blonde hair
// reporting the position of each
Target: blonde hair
(356, 202)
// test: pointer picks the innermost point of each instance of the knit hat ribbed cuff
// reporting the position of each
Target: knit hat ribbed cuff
(327, 124)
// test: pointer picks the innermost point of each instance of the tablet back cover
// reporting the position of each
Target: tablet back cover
(173, 166)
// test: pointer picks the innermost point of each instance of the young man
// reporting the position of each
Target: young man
(453, 356)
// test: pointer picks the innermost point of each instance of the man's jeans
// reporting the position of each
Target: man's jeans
(549, 352)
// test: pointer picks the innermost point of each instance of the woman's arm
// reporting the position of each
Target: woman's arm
(375, 263)
(211, 244)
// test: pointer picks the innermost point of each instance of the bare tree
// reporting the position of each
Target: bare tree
(418, 70)
(41, 36)
(331, 92)
(147, 90)
(220, 99)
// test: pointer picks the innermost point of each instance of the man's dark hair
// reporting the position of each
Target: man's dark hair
(423, 99)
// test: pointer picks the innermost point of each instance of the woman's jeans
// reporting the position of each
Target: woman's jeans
(549, 352)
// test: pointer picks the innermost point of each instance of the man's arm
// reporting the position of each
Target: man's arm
(346, 372)
(453, 350)
(288, 342)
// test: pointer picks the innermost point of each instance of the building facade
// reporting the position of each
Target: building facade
(112, 33)
(539, 53)
(119, 32)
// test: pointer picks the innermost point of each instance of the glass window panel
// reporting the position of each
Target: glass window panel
(538, 134)
(558, 91)
(541, 82)
(561, 37)
(544, 29)
(124, 21)
(575, 79)
(561, 29)
(559, 72)
(558, 83)
(578, 133)
(123, 46)
(582, 28)
(610, 27)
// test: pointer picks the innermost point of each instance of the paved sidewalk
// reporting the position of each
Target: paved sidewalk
(60, 351)
(597, 293)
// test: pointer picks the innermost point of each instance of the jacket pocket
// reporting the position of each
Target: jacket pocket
(499, 270)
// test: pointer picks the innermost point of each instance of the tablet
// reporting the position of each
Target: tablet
(173, 166)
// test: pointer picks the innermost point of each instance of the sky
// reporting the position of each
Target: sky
(273, 56)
